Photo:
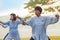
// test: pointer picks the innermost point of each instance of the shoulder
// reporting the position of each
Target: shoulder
(17, 20)
(44, 17)
(47, 17)
(32, 18)
(9, 21)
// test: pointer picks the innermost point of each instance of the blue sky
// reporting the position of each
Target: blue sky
(6, 5)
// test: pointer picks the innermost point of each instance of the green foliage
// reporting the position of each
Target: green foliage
(50, 9)
(32, 4)
(27, 17)
(58, 8)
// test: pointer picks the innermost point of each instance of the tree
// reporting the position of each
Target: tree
(32, 4)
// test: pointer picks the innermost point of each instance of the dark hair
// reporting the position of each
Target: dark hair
(14, 16)
(38, 8)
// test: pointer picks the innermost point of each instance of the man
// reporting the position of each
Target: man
(39, 24)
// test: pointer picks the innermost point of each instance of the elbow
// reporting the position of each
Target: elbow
(56, 21)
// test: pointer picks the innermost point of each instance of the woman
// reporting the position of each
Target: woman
(13, 27)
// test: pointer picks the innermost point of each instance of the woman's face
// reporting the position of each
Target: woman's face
(11, 17)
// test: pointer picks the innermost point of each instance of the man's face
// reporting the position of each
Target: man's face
(37, 12)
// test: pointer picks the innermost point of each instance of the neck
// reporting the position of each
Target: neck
(12, 20)
(38, 15)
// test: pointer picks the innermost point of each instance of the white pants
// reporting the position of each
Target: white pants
(39, 37)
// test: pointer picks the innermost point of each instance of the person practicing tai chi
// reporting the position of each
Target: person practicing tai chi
(39, 24)
(13, 27)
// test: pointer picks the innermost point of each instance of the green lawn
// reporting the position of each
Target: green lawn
(55, 39)
(28, 39)
(51, 39)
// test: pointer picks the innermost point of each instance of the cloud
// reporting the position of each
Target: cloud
(21, 12)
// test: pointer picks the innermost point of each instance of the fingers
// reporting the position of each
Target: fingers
(57, 15)
(1, 24)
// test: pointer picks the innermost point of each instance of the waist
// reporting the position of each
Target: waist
(13, 28)
(13, 32)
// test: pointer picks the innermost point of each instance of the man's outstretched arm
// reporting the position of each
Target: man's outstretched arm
(52, 20)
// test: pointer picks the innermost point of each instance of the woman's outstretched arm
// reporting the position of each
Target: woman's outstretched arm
(4, 23)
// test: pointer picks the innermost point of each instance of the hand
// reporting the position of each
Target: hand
(56, 15)
(1, 24)
(18, 17)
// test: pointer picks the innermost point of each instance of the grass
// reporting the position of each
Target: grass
(51, 37)
(54, 37)
(24, 38)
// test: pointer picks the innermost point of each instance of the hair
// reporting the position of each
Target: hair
(14, 16)
(38, 8)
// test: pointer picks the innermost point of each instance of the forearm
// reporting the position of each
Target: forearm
(54, 20)
(57, 19)
(51, 20)
(3, 26)
(2, 22)
(24, 22)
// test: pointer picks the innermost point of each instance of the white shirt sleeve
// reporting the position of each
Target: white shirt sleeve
(51, 20)
(29, 22)
(5, 23)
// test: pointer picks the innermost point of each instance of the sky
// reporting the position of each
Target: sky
(15, 6)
